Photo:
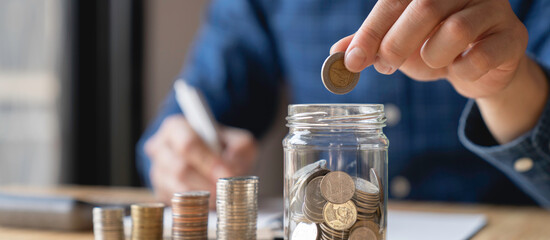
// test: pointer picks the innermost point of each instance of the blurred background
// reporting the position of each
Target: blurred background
(79, 82)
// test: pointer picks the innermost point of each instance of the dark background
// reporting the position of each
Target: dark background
(105, 98)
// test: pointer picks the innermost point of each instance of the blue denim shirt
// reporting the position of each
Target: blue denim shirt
(247, 49)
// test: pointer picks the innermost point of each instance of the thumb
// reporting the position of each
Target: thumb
(361, 51)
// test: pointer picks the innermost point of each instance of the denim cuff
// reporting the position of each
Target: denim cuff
(531, 147)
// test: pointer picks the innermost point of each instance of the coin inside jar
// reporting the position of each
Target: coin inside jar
(337, 187)
(314, 201)
(374, 179)
(336, 77)
(305, 231)
(362, 233)
(340, 216)
(365, 230)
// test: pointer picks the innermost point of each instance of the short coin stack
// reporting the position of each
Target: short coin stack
(108, 223)
(314, 201)
(190, 215)
(237, 207)
(366, 199)
(302, 211)
(147, 221)
(364, 230)
(333, 205)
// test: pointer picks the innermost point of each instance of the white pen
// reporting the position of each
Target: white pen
(198, 114)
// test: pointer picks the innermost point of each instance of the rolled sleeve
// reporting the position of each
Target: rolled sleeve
(533, 146)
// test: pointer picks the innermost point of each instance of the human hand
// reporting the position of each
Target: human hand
(475, 44)
(181, 161)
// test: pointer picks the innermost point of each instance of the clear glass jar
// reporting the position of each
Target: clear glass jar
(336, 159)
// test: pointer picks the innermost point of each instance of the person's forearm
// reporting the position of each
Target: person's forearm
(516, 109)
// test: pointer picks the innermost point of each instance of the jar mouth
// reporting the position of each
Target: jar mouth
(368, 116)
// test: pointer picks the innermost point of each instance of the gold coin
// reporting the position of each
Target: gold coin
(336, 77)
(340, 216)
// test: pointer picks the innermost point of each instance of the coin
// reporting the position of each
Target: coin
(365, 230)
(314, 201)
(237, 207)
(362, 233)
(108, 223)
(147, 221)
(309, 168)
(336, 77)
(340, 216)
(337, 187)
(306, 231)
(297, 193)
(374, 179)
(327, 233)
(190, 215)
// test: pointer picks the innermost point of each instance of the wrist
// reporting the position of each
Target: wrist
(517, 108)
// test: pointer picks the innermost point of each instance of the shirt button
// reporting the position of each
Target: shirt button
(393, 114)
(523, 164)
(400, 187)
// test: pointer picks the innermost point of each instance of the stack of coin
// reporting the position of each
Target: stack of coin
(302, 177)
(364, 230)
(367, 199)
(108, 223)
(237, 207)
(327, 233)
(190, 215)
(314, 201)
(147, 221)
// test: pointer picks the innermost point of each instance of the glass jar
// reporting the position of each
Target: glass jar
(336, 159)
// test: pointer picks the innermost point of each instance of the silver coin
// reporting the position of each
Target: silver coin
(309, 168)
(237, 207)
(337, 187)
(364, 186)
(305, 231)
(108, 223)
(362, 233)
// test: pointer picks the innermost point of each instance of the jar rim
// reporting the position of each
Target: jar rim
(341, 115)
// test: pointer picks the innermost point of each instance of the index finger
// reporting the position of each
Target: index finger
(363, 48)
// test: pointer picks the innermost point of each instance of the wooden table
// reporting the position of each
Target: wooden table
(504, 222)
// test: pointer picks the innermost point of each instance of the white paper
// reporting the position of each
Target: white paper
(404, 225)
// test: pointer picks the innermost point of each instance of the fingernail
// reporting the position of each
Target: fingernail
(355, 59)
(220, 172)
(382, 67)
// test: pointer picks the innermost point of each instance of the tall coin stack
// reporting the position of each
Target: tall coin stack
(237, 207)
(147, 219)
(190, 215)
(108, 223)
